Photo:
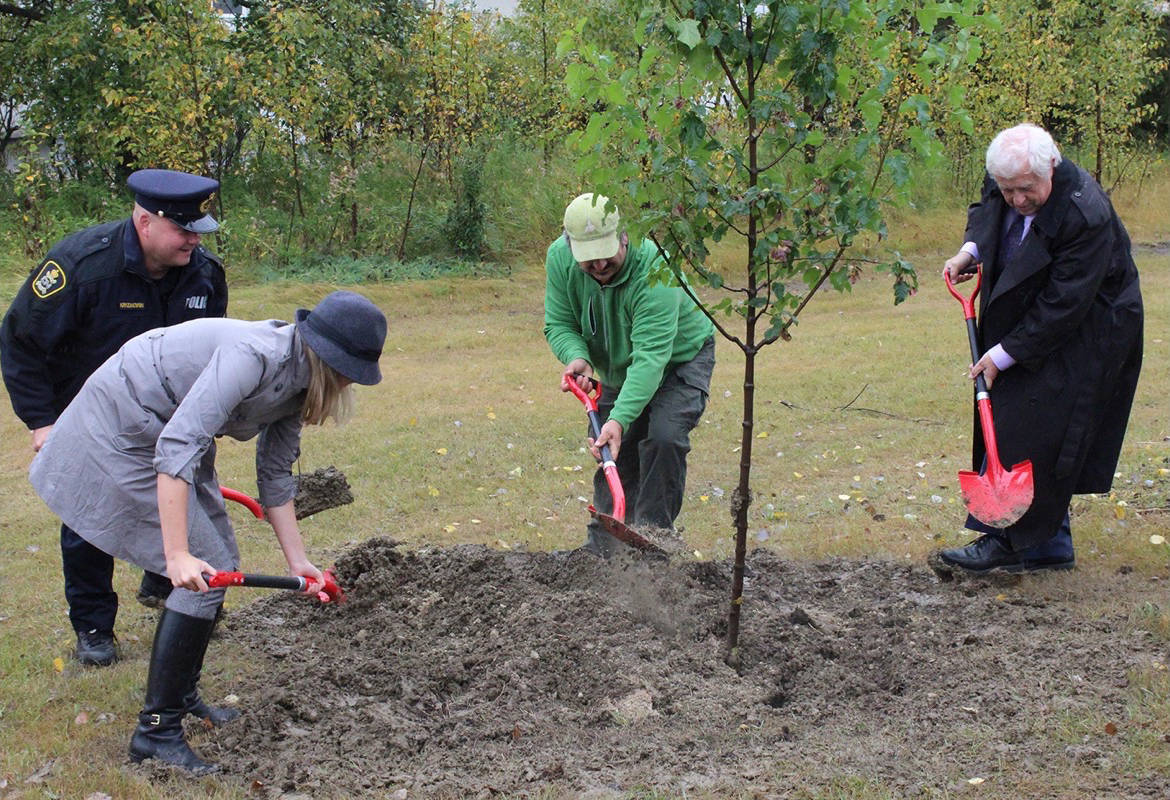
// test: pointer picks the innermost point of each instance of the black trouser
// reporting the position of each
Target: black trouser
(89, 583)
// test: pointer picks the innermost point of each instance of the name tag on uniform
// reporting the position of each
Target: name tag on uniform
(49, 281)
(198, 303)
(128, 305)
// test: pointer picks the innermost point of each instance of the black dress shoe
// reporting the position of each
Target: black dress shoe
(986, 553)
(990, 553)
(96, 648)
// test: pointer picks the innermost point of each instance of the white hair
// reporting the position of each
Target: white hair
(1024, 148)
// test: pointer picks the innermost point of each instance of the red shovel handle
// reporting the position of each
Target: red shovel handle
(243, 499)
(982, 394)
(589, 399)
(968, 302)
(328, 591)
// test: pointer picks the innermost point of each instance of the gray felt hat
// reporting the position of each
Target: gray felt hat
(347, 331)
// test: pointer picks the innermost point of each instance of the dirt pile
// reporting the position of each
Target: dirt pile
(470, 671)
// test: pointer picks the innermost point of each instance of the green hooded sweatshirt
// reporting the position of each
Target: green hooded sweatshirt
(630, 332)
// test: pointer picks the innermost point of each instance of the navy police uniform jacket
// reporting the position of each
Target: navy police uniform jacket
(85, 300)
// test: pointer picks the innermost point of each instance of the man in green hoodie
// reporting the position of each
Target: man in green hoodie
(652, 349)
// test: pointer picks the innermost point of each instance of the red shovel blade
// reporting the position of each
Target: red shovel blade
(999, 497)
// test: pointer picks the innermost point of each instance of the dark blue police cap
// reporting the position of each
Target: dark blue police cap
(179, 196)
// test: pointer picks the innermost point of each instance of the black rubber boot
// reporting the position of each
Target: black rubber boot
(213, 715)
(179, 644)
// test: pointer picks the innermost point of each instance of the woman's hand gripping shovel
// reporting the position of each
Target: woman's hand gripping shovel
(998, 497)
(614, 524)
(327, 591)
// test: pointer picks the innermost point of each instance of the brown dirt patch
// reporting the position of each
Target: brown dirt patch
(475, 672)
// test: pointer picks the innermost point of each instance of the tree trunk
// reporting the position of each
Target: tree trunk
(740, 502)
(743, 497)
(422, 160)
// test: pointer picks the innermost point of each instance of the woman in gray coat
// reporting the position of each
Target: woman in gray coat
(130, 466)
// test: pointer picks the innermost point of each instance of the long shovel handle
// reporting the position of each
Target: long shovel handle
(222, 580)
(589, 400)
(326, 592)
(982, 394)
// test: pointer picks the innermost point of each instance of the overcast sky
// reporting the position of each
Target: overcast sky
(503, 6)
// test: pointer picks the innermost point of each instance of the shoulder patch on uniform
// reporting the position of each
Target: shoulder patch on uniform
(49, 280)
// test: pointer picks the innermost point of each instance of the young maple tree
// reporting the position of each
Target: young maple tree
(784, 125)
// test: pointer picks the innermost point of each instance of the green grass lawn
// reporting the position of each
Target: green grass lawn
(862, 423)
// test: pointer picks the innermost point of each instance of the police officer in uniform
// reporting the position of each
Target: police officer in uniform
(95, 290)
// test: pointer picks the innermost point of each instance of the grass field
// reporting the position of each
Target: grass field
(862, 422)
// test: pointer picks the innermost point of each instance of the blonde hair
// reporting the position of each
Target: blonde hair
(329, 394)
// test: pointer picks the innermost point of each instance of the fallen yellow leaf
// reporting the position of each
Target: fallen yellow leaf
(442, 451)
(432, 491)
(59, 664)
(704, 498)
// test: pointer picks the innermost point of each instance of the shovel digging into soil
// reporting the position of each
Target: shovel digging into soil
(614, 524)
(998, 497)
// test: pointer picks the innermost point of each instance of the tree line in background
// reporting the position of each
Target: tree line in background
(395, 131)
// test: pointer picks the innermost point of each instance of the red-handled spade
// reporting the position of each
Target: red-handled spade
(998, 497)
(327, 592)
(614, 524)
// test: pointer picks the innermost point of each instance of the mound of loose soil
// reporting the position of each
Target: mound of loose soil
(469, 671)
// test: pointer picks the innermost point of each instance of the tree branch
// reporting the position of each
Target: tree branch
(726, 334)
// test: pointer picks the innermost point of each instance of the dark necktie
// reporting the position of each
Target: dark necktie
(1011, 239)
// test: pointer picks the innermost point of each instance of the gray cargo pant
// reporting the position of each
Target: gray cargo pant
(652, 461)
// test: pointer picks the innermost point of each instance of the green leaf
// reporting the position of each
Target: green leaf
(688, 33)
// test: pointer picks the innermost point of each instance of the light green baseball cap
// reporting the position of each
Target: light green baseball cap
(593, 234)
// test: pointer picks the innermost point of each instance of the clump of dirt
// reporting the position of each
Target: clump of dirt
(474, 672)
(320, 490)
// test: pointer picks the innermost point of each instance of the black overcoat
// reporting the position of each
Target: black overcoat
(1069, 310)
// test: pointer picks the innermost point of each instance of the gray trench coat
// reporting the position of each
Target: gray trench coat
(155, 407)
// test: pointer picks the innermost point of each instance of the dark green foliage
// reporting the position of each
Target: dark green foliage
(466, 219)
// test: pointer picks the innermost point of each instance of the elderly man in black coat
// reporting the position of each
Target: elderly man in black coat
(1060, 329)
